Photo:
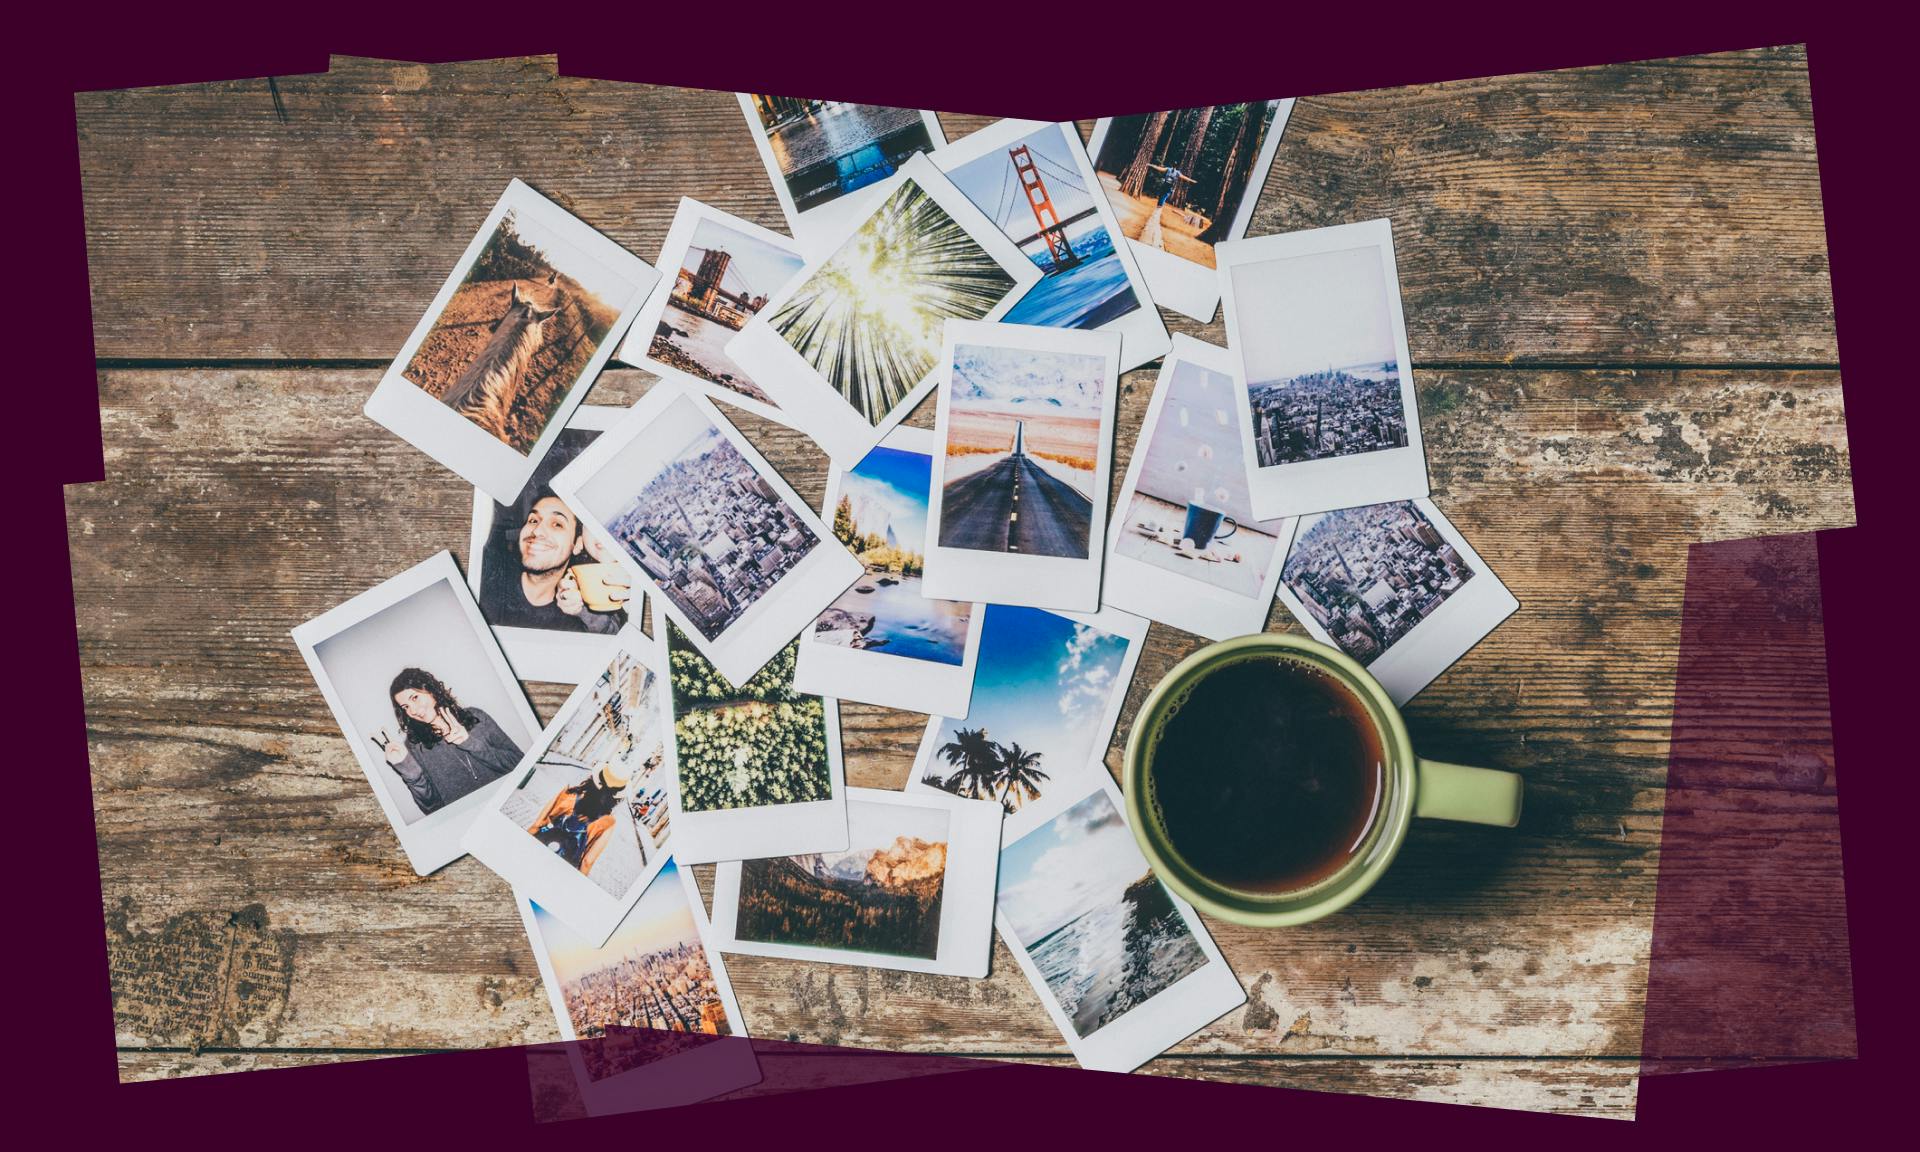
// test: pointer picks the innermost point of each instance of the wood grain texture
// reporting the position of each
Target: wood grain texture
(1649, 233)
(1660, 212)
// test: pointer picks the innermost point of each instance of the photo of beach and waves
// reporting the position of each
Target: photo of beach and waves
(1103, 932)
(881, 517)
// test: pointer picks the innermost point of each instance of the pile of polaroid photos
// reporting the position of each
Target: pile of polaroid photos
(973, 573)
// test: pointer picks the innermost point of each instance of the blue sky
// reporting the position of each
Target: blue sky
(897, 484)
(986, 180)
(661, 919)
(1043, 681)
(1075, 862)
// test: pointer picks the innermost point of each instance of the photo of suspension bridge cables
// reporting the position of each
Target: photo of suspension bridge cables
(1036, 191)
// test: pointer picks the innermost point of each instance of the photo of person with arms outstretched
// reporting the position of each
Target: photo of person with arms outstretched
(443, 751)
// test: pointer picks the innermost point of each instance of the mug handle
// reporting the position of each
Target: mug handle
(1474, 795)
(1230, 531)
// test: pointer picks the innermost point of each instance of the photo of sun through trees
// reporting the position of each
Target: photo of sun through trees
(749, 746)
(869, 319)
(883, 895)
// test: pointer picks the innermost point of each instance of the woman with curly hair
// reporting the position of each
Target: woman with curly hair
(443, 751)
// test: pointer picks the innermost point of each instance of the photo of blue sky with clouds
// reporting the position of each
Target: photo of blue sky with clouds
(1043, 681)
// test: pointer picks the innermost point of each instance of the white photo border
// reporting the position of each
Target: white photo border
(635, 346)
(1438, 642)
(435, 840)
(874, 675)
(1379, 477)
(1143, 335)
(775, 618)
(400, 406)
(1181, 602)
(727, 1064)
(825, 220)
(1112, 621)
(817, 407)
(536, 653)
(1059, 583)
(966, 899)
(523, 862)
(1180, 284)
(1170, 1016)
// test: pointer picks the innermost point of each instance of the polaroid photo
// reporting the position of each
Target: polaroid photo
(1396, 587)
(1183, 546)
(756, 766)
(555, 598)
(1035, 181)
(1018, 509)
(852, 343)
(658, 973)
(510, 345)
(913, 890)
(883, 642)
(820, 153)
(718, 272)
(1046, 697)
(1182, 183)
(427, 701)
(1123, 966)
(584, 825)
(687, 505)
(1326, 410)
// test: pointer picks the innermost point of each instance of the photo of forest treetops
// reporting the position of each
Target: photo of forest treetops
(1176, 179)
(882, 895)
(757, 744)
(519, 331)
(869, 319)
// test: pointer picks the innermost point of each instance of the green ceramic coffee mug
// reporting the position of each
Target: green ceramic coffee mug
(1407, 786)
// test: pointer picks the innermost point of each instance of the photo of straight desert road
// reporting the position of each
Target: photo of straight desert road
(1014, 506)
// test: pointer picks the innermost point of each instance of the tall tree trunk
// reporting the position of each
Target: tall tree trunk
(1198, 136)
(1234, 173)
(1135, 177)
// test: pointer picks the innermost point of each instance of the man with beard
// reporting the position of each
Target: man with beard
(541, 591)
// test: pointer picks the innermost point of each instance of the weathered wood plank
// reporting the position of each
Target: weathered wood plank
(1581, 1087)
(1656, 212)
(240, 502)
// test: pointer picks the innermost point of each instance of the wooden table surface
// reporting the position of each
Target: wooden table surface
(1618, 303)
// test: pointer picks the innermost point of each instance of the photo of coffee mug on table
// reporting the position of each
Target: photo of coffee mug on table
(1203, 526)
(1270, 781)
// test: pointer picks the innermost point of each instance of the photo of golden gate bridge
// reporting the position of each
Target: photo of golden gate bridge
(1034, 192)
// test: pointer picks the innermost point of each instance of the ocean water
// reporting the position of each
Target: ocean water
(1086, 295)
(1085, 965)
(912, 625)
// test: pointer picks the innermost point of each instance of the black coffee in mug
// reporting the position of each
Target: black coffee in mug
(1269, 776)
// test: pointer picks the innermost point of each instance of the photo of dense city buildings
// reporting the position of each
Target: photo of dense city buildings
(652, 973)
(1370, 574)
(1333, 412)
(711, 532)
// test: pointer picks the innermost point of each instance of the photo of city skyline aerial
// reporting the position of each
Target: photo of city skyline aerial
(1368, 575)
(1321, 354)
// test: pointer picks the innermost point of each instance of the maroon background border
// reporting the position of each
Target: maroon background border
(64, 1038)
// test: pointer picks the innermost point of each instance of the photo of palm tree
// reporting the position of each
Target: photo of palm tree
(1042, 686)
(868, 320)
